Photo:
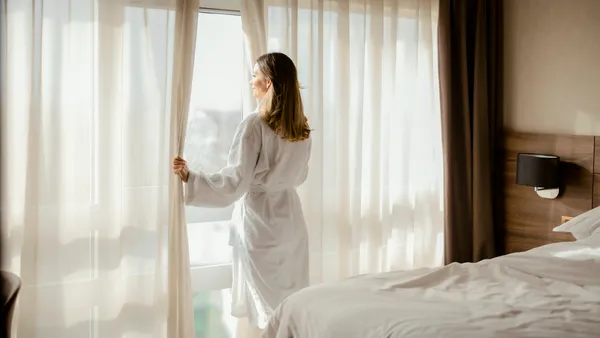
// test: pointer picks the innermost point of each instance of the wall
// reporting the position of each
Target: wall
(552, 66)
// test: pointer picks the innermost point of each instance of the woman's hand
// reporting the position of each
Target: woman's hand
(180, 168)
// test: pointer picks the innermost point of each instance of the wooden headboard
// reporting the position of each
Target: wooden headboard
(528, 218)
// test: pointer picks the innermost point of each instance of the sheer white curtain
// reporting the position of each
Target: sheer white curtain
(373, 200)
(86, 166)
(180, 322)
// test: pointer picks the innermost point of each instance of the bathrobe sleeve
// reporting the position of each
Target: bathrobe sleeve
(230, 183)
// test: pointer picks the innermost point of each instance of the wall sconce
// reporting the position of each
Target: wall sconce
(540, 172)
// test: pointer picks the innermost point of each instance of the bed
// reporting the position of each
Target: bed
(547, 286)
(549, 291)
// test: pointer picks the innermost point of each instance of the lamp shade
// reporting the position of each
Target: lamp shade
(539, 171)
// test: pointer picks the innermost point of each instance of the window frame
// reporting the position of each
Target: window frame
(215, 276)
(233, 7)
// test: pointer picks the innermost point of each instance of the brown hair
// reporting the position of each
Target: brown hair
(282, 109)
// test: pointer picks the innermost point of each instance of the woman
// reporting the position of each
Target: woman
(267, 161)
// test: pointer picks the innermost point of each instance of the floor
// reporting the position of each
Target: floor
(213, 319)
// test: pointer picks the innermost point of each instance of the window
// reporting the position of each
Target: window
(215, 112)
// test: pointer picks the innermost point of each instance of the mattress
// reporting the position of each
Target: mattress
(550, 291)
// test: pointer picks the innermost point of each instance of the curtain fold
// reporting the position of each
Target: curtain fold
(373, 198)
(470, 47)
(255, 44)
(180, 322)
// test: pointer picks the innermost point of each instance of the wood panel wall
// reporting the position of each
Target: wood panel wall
(529, 219)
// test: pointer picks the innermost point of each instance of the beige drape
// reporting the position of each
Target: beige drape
(255, 44)
(88, 194)
(180, 322)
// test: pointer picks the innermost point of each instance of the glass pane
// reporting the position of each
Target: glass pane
(215, 112)
(209, 243)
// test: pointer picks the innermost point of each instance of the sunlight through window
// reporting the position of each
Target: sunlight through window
(215, 112)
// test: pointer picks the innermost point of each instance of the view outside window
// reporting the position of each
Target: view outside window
(215, 112)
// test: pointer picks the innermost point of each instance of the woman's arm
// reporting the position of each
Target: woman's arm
(230, 183)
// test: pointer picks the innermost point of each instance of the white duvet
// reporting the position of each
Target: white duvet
(551, 291)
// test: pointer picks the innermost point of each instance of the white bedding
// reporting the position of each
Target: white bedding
(551, 291)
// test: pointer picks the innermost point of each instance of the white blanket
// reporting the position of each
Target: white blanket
(551, 291)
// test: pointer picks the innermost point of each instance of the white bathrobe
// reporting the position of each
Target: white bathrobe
(270, 242)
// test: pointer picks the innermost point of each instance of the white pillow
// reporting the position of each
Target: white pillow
(583, 225)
